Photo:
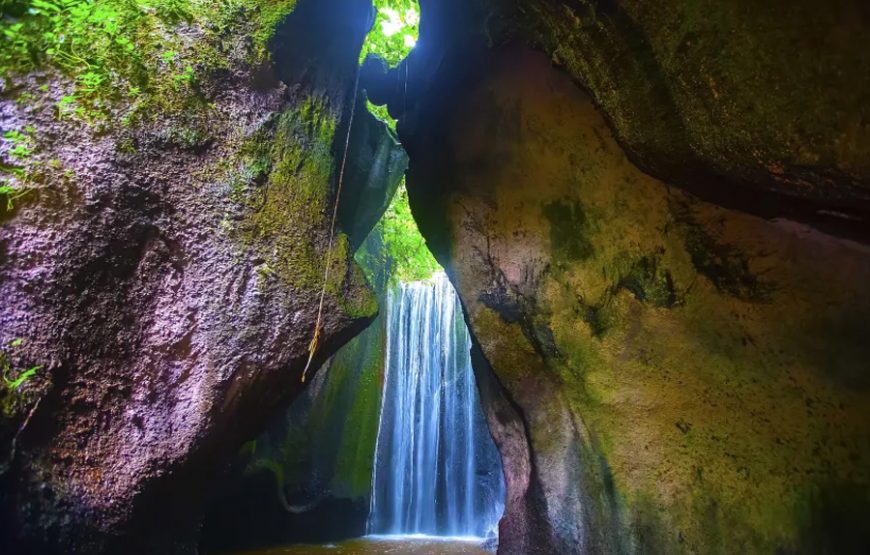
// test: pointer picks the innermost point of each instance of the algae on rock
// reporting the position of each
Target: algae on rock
(669, 360)
(165, 266)
(307, 477)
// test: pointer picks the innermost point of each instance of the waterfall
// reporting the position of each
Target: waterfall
(437, 470)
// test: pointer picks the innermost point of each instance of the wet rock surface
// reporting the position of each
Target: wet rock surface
(668, 375)
(381, 546)
(166, 283)
(307, 477)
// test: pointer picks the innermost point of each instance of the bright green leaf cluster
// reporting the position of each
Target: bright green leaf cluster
(409, 257)
(22, 145)
(395, 30)
(10, 193)
(392, 37)
(13, 384)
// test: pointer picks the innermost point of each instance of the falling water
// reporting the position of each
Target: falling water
(437, 470)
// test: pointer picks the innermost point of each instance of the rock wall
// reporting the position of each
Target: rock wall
(307, 477)
(164, 272)
(757, 106)
(664, 374)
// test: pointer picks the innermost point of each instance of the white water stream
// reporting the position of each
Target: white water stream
(437, 470)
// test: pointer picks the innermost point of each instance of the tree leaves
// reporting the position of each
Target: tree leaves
(405, 246)
(395, 30)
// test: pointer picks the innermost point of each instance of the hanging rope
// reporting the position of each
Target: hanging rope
(315, 341)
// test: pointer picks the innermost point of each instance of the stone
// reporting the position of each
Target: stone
(662, 374)
(165, 277)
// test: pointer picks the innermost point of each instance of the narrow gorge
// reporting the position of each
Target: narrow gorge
(448, 277)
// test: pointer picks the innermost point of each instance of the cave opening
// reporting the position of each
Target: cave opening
(388, 448)
(656, 219)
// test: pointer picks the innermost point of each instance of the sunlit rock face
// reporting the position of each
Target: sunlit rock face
(664, 374)
(167, 283)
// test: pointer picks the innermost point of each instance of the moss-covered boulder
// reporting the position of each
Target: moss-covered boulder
(169, 175)
(308, 476)
(662, 374)
(760, 106)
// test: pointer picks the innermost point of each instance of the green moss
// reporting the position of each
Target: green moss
(568, 231)
(284, 187)
(725, 266)
(360, 301)
(279, 204)
(355, 460)
(331, 431)
(649, 283)
(183, 137)
(142, 58)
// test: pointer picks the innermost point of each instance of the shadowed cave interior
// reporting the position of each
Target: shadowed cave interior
(456, 276)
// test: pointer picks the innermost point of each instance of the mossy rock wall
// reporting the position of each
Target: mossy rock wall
(762, 105)
(307, 477)
(162, 261)
(670, 376)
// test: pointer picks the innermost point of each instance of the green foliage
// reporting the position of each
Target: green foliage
(409, 257)
(127, 51)
(6, 367)
(21, 144)
(20, 151)
(382, 114)
(395, 30)
(10, 193)
(22, 377)
(392, 37)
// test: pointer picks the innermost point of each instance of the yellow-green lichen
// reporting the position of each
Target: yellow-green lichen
(289, 163)
(279, 193)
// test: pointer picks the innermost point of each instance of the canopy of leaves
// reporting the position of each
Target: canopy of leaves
(409, 257)
(392, 37)
(395, 30)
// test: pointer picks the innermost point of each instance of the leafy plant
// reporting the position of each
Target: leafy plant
(410, 258)
(23, 377)
(395, 30)
(11, 193)
(21, 144)
(6, 367)
(126, 51)
(392, 37)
